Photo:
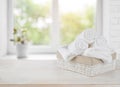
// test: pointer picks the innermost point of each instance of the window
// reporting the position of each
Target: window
(35, 16)
(75, 16)
(52, 23)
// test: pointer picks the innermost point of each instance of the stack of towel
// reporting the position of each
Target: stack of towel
(88, 43)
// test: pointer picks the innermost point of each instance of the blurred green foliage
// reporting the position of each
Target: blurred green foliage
(29, 14)
(74, 23)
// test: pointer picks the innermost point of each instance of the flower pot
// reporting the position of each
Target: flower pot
(22, 50)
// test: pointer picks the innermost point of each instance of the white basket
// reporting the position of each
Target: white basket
(85, 69)
(117, 64)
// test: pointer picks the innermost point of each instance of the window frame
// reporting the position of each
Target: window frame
(55, 28)
(3, 28)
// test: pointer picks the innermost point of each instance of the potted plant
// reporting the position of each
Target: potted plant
(21, 41)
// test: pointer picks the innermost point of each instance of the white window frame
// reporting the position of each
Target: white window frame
(55, 30)
(3, 27)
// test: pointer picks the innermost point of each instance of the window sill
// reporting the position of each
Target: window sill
(31, 57)
(45, 71)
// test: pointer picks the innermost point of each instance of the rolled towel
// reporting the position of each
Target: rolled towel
(101, 43)
(89, 35)
(64, 52)
(78, 47)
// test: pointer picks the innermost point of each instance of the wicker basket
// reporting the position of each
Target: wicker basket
(85, 69)
(117, 64)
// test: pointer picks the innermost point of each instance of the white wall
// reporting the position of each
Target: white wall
(3, 27)
(111, 22)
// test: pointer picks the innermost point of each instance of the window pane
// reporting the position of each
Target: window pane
(35, 16)
(75, 16)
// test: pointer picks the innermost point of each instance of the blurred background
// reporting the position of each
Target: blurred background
(35, 16)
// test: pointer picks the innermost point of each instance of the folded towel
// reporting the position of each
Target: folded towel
(100, 50)
(99, 53)
(66, 54)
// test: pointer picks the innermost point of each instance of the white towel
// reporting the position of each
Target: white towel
(89, 35)
(101, 43)
(99, 53)
(78, 46)
(66, 54)
(100, 50)
(74, 49)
